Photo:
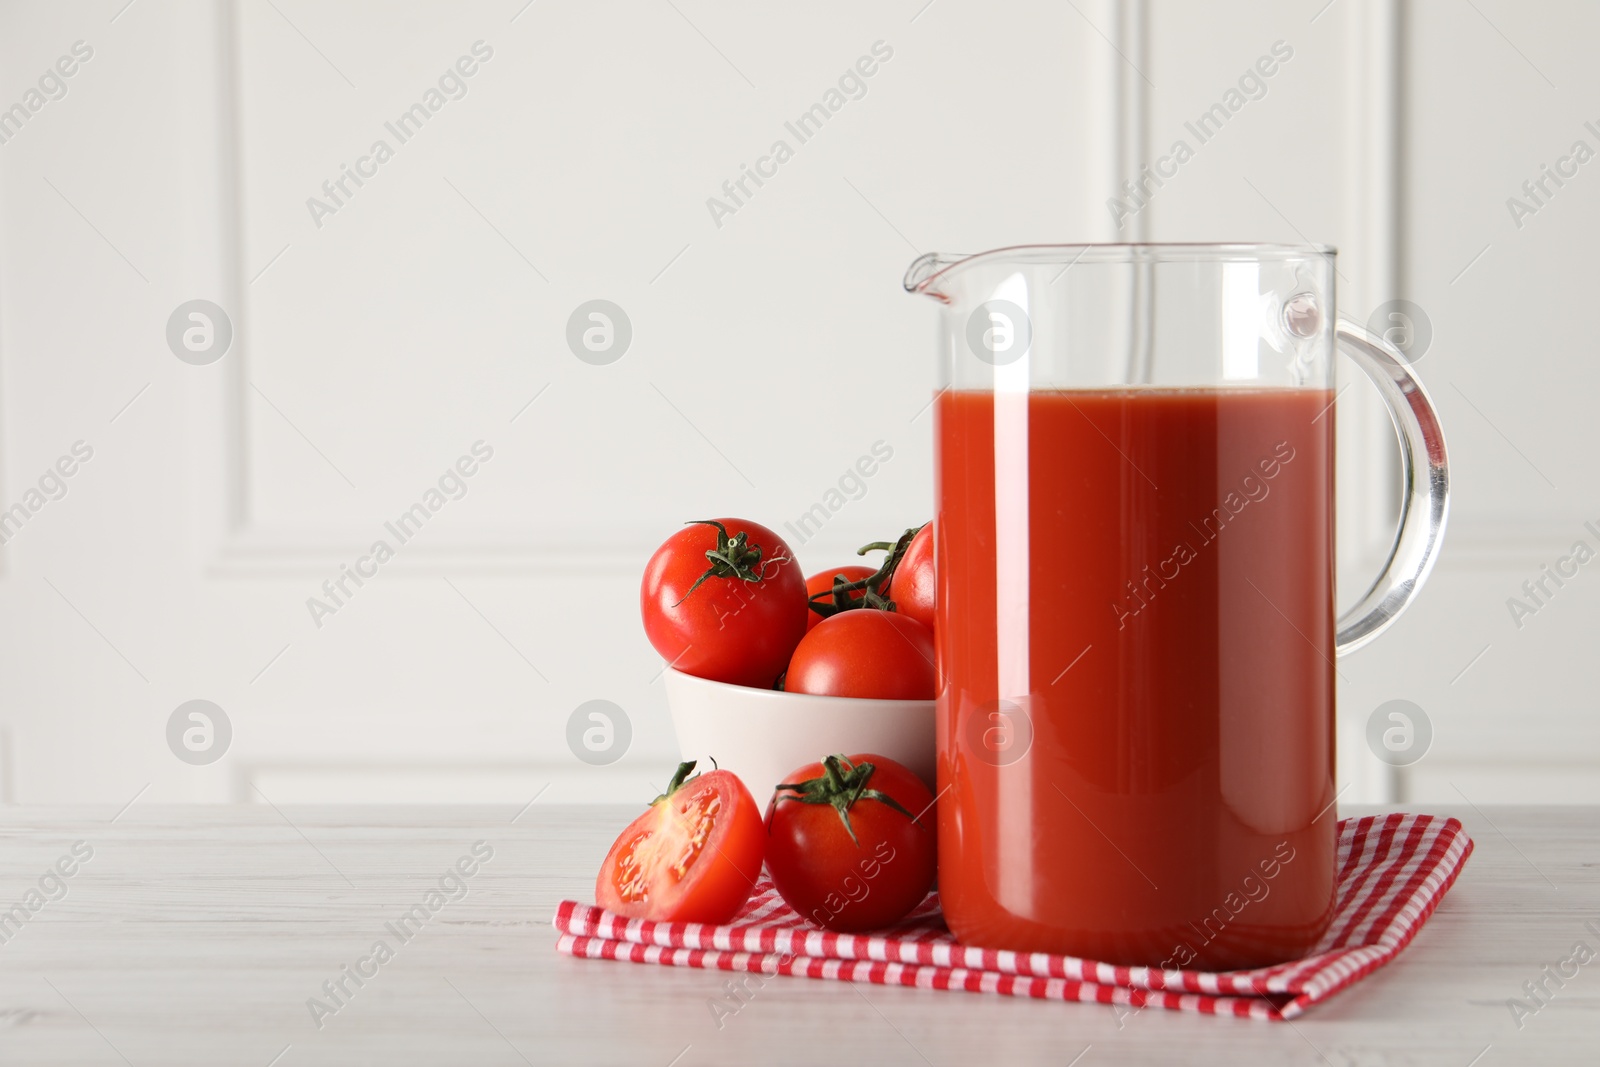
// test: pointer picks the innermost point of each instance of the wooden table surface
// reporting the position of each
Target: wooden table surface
(197, 935)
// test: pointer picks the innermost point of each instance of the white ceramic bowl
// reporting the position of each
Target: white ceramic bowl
(763, 734)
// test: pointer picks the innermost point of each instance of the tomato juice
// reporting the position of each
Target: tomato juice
(1136, 639)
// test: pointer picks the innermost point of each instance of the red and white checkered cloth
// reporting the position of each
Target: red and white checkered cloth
(1393, 871)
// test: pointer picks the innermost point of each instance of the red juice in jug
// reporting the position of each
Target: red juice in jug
(1136, 639)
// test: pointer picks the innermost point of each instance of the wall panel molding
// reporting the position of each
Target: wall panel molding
(233, 542)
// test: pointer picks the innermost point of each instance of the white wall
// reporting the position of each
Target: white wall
(768, 352)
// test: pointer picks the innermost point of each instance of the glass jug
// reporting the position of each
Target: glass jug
(1135, 552)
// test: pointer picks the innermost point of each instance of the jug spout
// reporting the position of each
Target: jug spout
(921, 276)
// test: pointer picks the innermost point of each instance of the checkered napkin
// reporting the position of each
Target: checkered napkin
(1393, 871)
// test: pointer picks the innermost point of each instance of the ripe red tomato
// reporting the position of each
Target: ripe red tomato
(736, 620)
(913, 590)
(851, 841)
(693, 857)
(822, 581)
(882, 655)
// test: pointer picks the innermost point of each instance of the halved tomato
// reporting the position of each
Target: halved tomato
(693, 857)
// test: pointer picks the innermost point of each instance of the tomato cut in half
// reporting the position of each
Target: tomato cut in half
(694, 856)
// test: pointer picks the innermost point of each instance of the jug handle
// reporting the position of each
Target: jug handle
(1425, 499)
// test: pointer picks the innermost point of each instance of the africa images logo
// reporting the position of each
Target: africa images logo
(452, 485)
(1251, 490)
(852, 85)
(450, 887)
(52, 86)
(337, 192)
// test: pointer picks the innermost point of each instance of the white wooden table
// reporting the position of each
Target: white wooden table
(196, 935)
